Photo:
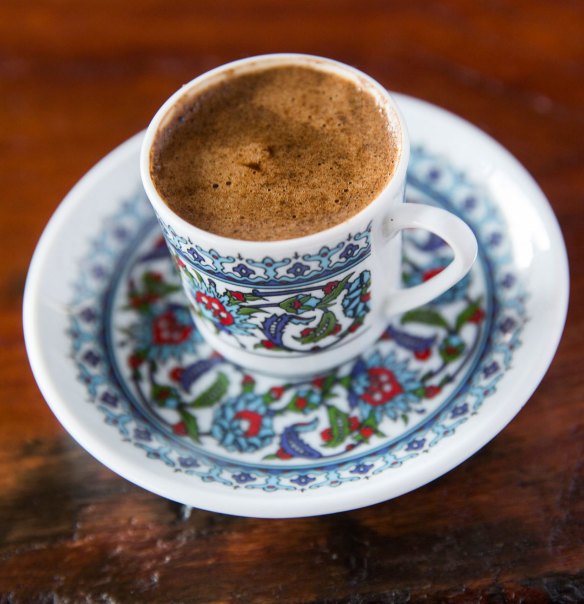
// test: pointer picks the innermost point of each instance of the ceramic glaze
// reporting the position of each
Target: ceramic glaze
(116, 355)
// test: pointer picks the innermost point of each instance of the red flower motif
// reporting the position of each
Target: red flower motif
(238, 296)
(365, 297)
(135, 360)
(254, 422)
(180, 428)
(432, 391)
(268, 344)
(327, 435)
(367, 432)
(383, 386)
(176, 374)
(247, 379)
(277, 391)
(353, 423)
(318, 382)
(136, 301)
(328, 288)
(301, 403)
(163, 394)
(216, 307)
(423, 355)
(477, 316)
(306, 332)
(296, 304)
(354, 327)
(432, 273)
(282, 454)
(336, 329)
(167, 330)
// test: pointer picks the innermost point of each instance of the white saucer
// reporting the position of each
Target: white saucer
(116, 357)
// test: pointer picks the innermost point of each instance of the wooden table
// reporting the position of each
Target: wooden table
(76, 79)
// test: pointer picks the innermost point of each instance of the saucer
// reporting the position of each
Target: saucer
(115, 354)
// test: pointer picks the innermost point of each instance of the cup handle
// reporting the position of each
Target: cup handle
(449, 227)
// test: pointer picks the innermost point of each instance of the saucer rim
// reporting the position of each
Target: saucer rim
(276, 505)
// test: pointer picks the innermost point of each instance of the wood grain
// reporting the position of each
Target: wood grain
(76, 79)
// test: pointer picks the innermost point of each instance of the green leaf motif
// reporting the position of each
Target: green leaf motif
(252, 297)
(213, 394)
(467, 314)
(426, 316)
(190, 422)
(249, 310)
(156, 285)
(325, 327)
(339, 422)
(298, 304)
(335, 292)
(370, 422)
(160, 394)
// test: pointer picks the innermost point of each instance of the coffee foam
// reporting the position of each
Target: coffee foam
(274, 153)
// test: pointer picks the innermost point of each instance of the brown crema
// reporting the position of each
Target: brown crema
(273, 154)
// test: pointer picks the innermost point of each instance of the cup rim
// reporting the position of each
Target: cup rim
(336, 231)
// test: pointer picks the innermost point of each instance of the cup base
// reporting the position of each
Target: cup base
(297, 368)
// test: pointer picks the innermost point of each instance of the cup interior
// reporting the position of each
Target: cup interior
(383, 99)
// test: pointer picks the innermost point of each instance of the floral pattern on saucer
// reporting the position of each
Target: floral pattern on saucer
(156, 381)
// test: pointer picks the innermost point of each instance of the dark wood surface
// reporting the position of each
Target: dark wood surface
(78, 78)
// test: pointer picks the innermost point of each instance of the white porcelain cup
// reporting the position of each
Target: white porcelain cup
(299, 307)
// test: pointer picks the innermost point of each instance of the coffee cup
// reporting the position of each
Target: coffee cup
(300, 306)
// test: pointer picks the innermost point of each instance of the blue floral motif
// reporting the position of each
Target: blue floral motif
(195, 255)
(166, 332)
(459, 410)
(188, 462)
(383, 387)
(416, 444)
(362, 468)
(243, 271)
(92, 358)
(243, 423)
(88, 315)
(142, 434)
(243, 478)
(302, 480)
(491, 369)
(507, 325)
(110, 399)
(495, 239)
(349, 251)
(356, 300)
(298, 269)
(326, 263)
(293, 445)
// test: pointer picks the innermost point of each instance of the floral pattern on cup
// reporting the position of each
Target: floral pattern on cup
(302, 319)
(320, 265)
